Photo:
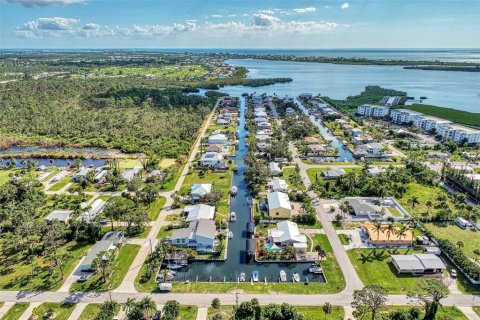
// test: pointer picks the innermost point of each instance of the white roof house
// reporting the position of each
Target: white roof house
(95, 208)
(211, 159)
(376, 171)
(60, 215)
(200, 235)
(279, 185)
(219, 138)
(129, 174)
(261, 119)
(279, 205)
(199, 211)
(287, 233)
(200, 190)
(274, 168)
(82, 174)
(264, 125)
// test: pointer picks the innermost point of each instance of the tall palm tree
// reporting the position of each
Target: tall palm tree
(476, 252)
(429, 205)
(129, 305)
(390, 229)
(460, 244)
(148, 306)
(413, 201)
(402, 231)
(377, 227)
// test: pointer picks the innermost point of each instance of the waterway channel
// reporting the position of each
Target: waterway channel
(237, 262)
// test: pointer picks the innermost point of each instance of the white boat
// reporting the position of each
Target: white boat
(165, 287)
(174, 266)
(283, 276)
(255, 276)
(233, 190)
(315, 268)
(230, 234)
(296, 277)
(233, 216)
(242, 277)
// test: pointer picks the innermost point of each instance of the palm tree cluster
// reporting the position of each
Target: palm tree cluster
(140, 310)
(390, 228)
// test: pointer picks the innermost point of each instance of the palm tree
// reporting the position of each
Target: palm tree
(327, 309)
(377, 227)
(460, 244)
(476, 252)
(390, 229)
(402, 231)
(129, 305)
(147, 306)
(413, 201)
(429, 205)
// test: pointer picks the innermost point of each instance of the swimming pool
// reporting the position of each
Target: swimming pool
(272, 247)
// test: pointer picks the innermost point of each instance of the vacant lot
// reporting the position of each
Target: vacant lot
(310, 313)
(16, 311)
(60, 311)
(92, 310)
(469, 238)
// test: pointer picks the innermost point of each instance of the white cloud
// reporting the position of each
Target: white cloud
(264, 20)
(216, 16)
(43, 3)
(266, 11)
(327, 6)
(45, 27)
(345, 6)
(95, 30)
(305, 10)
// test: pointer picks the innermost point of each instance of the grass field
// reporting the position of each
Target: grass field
(155, 207)
(477, 310)
(164, 232)
(344, 239)
(470, 239)
(92, 310)
(61, 310)
(293, 179)
(169, 72)
(4, 176)
(463, 117)
(220, 181)
(60, 184)
(451, 313)
(188, 312)
(124, 260)
(16, 273)
(424, 194)
(316, 173)
(141, 235)
(373, 267)
(310, 313)
(16, 311)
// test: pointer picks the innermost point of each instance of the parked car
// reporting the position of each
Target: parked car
(157, 315)
(84, 278)
(453, 273)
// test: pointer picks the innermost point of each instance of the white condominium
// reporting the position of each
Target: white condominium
(446, 129)
(370, 110)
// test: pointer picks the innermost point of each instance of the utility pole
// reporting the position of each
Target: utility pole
(236, 298)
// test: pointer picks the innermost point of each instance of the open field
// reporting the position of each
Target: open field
(155, 207)
(16, 273)
(61, 310)
(463, 117)
(452, 232)
(188, 312)
(4, 176)
(451, 313)
(424, 194)
(310, 313)
(60, 184)
(123, 261)
(373, 266)
(16, 311)
(92, 310)
(220, 181)
(293, 179)
(477, 310)
(171, 72)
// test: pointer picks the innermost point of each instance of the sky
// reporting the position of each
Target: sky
(289, 24)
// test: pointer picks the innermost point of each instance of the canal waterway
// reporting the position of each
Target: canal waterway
(22, 162)
(237, 262)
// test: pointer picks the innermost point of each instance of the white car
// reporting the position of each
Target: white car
(453, 273)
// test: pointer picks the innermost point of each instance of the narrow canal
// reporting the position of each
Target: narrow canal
(236, 262)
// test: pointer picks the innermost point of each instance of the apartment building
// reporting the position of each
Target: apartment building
(369, 110)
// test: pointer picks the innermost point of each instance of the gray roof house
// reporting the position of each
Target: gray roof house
(60, 215)
(333, 173)
(110, 241)
(95, 208)
(418, 263)
(129, 174)
(199, 235)
(82, 174)
(362, 207)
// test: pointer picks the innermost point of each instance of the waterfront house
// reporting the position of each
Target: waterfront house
(279, 185)
(222, 122)
(383, 238)
(100, 176)
(82, 174)
(130, 174)
(257, 99)
(287, 234)
(95, 209)
(260, 119)
(211, 160)
(219, 138)
(289, 111)
(199, 235)
(260, 114)
(372, 150)
(199, 211)
(279, 205)
(108, 244)
(419, 263)
(312, 140)
(264, 126)
(200, 191)
(59, 215)
(332, 174)
(215, 148)
(274, 169)
(356, 132)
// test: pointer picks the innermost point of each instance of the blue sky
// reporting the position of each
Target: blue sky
(239, 24)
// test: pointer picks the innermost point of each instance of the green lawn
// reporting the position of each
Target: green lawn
(61, 310)
(452, 232)
(155, 208)
(293, 179)
(4, 176)
(124, 260)
(316, 173)
(60, 184)
(164, 232)
(16, 273)
(424, 194)
(344, 239)
(477, 310)
(188, 312)
(92, 310)
(310, 313)
(16, 311)
(220, 181)
(374, 266)
(451, 313)
(142, 235)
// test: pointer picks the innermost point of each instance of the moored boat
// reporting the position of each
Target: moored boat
(233, 190)
(315, 268)
(283, 276)
(296, 277)
(233, 216)
(255, 276)
(242, 277)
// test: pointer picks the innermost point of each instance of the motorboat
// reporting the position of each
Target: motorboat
(230, 234)
(175, 266)
(233, 190)
(235, 168)
(233, 216)
(315, 268)
(242, 277)
(255, 276)
(283, 276)
(296, 277)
